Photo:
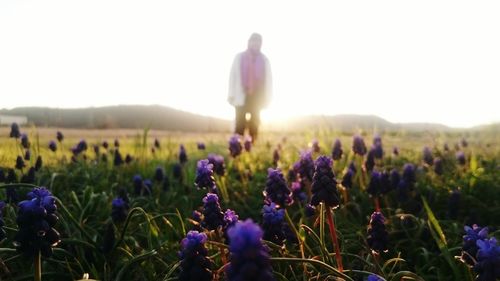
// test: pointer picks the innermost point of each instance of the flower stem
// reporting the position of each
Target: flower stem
(38, 266)
(333, 235)
(377, 204)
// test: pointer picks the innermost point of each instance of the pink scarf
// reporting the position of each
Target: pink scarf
(252, 71)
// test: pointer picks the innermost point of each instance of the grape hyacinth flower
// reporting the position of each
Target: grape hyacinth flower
(195, 264)
(315, 146)
(119, 210)
(14, 131)
(324, 189)
(205, 176)
(378, 151)
(117, 143)
(298, 193)
(235, 146)
(347, 179)
(230, 218)
(377, 234)
(212, 212)
(52, 146)
(272, 223)
(247, 144)
(96, 149)
(438, 166)
(427, 156)
(105, 144)
(182, 154)
(25, 141)
(464, 142)
(373, 277)
(29, 177)
(36, 219)
(305, 166)
(276, 190)
(156, 143)
(138, 185)
(324, 185)
(27, 155)
(394, 178)
(488, 260)
(374, 187)
(249, 256)
(201, 146)
(59, 136)
(395, 151)
(276, 156)
(370, 160)
(20, 163)
(118, 160)
(148, 187)
(337, 150)
(460, 158)
(177, 171)
(469, 247)
(159, 174)
(358, 145)
(218, 163)
(3, 234)
(409, 173)
(128, 159)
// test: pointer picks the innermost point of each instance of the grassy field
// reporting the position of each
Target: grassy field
(424, 242)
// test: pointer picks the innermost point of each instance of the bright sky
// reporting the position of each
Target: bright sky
(405, 61)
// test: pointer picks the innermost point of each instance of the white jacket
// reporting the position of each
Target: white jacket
(236, 95)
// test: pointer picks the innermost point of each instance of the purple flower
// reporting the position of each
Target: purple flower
(27, 155)
(248, 143)
(157, 144)
(324, 186)
(118, 160)
(20, 163)
(358, 145)
(119, 210)
(298, 193)
(194, 262)
(276, 156)
(347, 178)
(235, 147)
(409, 173)
(464, 142)
(59, 136)
(105, 144)
(395, 151)
(128, 159)
(315, 146)
(378, 151)
(159, 174)
(461, 158)
(373, 277)
(36, 218)
(469, 247)
(139, 186)
(276, 190)
(177, 172)
(14, 131)
(201, 146)
(249, 256)
(117, 143)
(394, 178)
(230, 218)
(25, 141)
(38, 163)
(182, 154)
(212, 212)
(29, 177)
(438, 166)
(374, 187)
(96, 149)
(370, 160)
(427, 156)
(218, 163)
(488, 260)
(272, 223)
(377, 234)
(337, 150)
(205, 176)
(305, 166)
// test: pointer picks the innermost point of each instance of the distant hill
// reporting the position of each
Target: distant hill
(166, 118)
(121, 116)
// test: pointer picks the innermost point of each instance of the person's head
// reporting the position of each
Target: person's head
(255, 42)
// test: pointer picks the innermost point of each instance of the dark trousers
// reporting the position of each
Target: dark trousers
(251, 106)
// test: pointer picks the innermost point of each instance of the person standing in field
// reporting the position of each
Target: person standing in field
(250, 86)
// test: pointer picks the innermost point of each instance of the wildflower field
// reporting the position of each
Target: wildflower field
(320, 205)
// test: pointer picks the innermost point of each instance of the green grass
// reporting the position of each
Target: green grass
(423, 239)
